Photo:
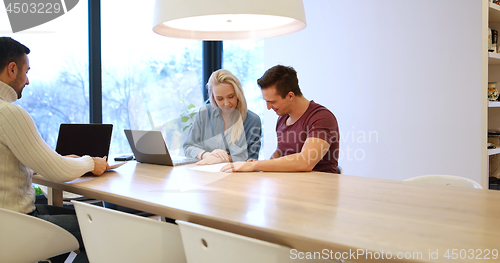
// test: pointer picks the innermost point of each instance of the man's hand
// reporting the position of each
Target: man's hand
(100, 165)
(239, 167)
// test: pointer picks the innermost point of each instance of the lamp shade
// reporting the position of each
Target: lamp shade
(228, 19)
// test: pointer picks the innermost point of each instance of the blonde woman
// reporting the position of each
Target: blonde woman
(224, 130)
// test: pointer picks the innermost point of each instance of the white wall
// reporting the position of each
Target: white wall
(406, 71)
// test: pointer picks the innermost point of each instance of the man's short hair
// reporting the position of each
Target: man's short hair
(11, 51)
(285, 79)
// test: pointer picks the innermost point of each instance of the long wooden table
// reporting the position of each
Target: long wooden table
(357, 218)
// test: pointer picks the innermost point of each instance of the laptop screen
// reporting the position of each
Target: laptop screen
(84, 139)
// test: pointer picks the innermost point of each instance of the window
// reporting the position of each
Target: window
(149, 81)
(245, 59)
(58, 90)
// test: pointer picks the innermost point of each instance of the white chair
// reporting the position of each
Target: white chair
(448, 180)
(114, 236)
(27, 239)
(206, 245)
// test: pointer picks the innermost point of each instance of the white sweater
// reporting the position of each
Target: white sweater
(22, 151)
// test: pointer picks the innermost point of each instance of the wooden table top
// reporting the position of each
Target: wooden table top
(315, 212)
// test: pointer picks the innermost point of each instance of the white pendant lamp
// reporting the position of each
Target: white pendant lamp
(228, 19)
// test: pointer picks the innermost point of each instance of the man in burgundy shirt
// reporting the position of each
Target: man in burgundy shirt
(308, 135)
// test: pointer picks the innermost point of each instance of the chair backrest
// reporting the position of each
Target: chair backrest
(207, 245)
(448, 180)
(339, 169)
(24, 238)
(114, 236)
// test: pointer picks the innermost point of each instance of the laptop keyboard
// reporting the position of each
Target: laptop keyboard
(184, 161)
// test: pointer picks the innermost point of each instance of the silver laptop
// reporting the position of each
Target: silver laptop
(149, 147)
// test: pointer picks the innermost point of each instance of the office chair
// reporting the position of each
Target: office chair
(114, 236)
(339, 169)
(24, 238)
(207, 245)
(448, 180)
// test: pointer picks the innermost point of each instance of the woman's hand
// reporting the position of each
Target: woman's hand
(221, 154)
(216, 156)
(209, 159)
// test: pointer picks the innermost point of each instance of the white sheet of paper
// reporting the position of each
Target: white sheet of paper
(213, 168)
(116, 165)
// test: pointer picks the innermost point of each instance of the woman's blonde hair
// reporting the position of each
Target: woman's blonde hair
(223, 76)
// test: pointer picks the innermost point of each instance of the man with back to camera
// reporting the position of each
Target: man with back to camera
(308, 135)
(23, 151)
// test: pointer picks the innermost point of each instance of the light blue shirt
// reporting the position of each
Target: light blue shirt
(207, 134)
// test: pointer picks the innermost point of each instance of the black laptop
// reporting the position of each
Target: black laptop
(84, 139)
